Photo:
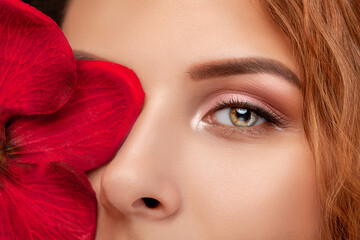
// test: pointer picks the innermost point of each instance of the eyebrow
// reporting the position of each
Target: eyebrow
(225, 67)
(236, 66)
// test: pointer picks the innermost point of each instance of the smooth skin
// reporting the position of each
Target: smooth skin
(212, 179)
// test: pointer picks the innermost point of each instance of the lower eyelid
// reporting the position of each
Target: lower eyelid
(237, 134)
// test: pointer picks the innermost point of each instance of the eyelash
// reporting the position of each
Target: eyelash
(268, 115)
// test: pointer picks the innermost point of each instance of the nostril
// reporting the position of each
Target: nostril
(151, 202)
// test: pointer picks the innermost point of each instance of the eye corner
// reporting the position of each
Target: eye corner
(209, 118)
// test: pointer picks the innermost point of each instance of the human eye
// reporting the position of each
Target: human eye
(239, 115)
(244, 116)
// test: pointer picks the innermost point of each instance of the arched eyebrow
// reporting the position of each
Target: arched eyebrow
(235, 66)
(225, 67)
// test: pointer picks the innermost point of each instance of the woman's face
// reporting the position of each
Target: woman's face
(219, 150)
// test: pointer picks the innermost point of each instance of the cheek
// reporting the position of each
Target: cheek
(254, 190)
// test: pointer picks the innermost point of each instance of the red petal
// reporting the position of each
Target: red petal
(46, 202)
(89, 129)
(37, 67)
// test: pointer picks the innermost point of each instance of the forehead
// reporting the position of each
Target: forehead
(149, 36)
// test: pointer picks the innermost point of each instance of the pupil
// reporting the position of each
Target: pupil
(243, 114)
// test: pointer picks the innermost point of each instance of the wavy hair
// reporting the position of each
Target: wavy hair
(326, 39)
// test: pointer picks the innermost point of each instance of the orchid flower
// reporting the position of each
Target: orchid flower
(59, 117)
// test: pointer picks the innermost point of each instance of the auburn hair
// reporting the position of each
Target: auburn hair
(325, 35)
(326, 39)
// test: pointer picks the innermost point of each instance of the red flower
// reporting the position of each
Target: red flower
(52, 129)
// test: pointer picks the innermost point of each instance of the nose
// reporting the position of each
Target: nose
(141, 179)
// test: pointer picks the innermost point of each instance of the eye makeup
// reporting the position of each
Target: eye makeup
(274, 120)
(268, 115)
(263, 110)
